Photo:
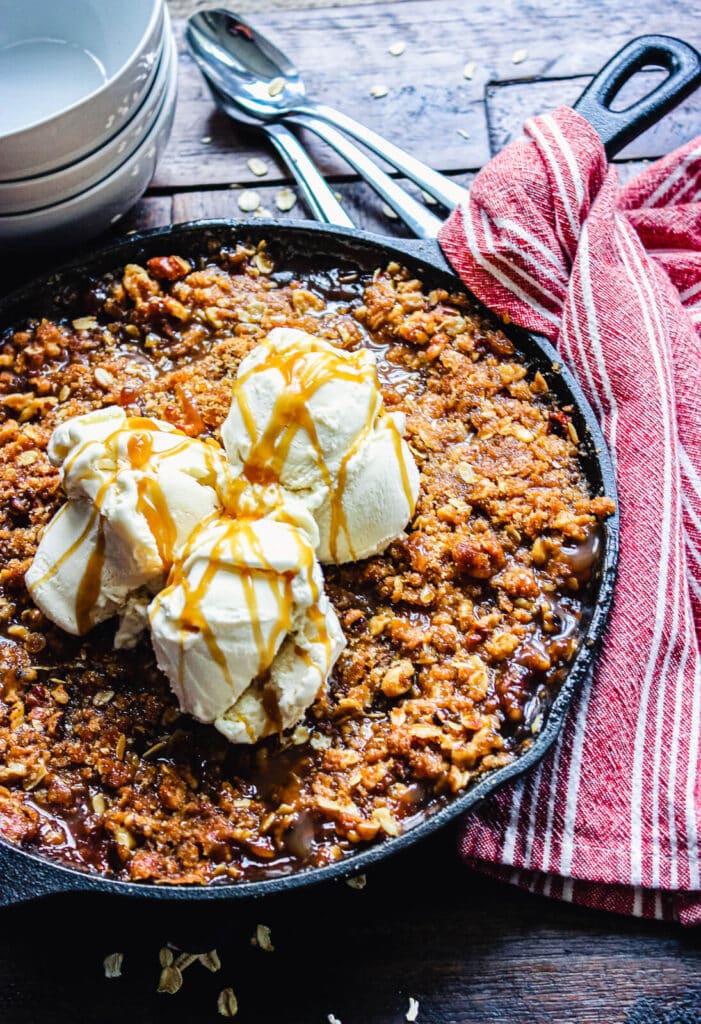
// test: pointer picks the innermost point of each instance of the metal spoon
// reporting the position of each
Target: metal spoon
(418, 219)
(321, 201)
(268, 86)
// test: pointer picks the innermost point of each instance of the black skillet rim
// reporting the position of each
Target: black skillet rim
(32, 875)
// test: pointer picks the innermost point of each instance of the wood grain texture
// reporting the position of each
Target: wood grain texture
(343, 52)
(471, 951)
(509, 104)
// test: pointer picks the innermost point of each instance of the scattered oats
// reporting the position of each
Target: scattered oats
(388, 211)
(263, 263)
(170, 981)
(519, 56)
(132, 232)
(257, 166)
(333, 1020)
(165, 956)
(572, 431)
(64, 393)
(285, 200)
(276, 86)
(38, 777)
(235, 184)
(103, 377)
(113, 965)
(183, 960)
(227, 1003)
(378, 91)
(463, 133)
(98, 803)
(537, 724)
(262, 211)
(262, 938)
(206, 139)
(429, 199)
(338, 196)
(397, 49)
(102, 697)
(124, 838)
(320, 742)
(84, 323)
(522, 433)
(468, 71)
(155, 749)
(249, 200)
(121, 747)
(386, 820)
(357, 882)
(413, 1011)
(211, 961)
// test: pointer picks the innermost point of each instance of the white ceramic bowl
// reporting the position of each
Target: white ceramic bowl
(87, 214)
(72, 73)
(48, 189)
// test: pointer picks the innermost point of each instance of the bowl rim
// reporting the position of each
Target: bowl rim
(170, 96)
(157, 9)
(155, 97)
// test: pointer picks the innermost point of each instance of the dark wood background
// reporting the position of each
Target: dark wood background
(468, 948)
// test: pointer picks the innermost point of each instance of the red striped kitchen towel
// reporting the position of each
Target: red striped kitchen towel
(612, 275)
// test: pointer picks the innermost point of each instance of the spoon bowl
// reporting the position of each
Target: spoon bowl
(265, 84)
(245, 64)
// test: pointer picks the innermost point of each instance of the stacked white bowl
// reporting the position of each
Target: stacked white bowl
(87, 100)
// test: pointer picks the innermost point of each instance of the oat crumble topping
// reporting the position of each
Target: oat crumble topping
(458, 635)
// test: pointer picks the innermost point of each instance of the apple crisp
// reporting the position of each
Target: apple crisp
(458, 636)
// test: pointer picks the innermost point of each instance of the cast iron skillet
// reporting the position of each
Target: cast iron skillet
(24, 875)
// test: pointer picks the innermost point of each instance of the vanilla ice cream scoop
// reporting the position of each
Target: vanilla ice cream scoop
(244, 630)
(137, 488)
(310, 416)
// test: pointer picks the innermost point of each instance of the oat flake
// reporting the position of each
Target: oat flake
(262, 938)
(357, 882)
(249, 200)
(397, 49)
(285, 200)
(113, 965)
(519, 56)
(227, 1003)
(257, 166)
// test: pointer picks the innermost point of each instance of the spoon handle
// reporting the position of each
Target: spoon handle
(436, 184)
(321, 201)
(418, 219)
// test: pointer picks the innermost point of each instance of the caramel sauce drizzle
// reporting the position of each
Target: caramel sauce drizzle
(305, 368)
(151, 502)
(237, 546)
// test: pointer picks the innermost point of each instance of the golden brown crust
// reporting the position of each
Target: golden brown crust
(457, 636)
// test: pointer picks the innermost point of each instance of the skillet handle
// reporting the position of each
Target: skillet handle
(619, 127)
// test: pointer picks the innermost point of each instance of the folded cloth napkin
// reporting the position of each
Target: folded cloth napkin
(612, 276)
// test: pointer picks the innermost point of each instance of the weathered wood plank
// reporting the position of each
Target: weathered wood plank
(472, 951)
(509, 104)
(360, 202)
(343, 52)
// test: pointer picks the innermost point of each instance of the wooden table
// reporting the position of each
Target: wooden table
(469, 949)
